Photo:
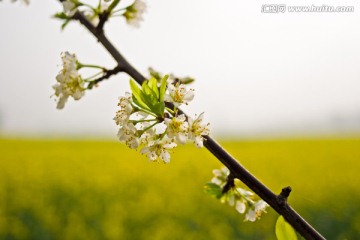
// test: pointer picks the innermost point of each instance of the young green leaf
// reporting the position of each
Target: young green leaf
(113, 5)
(148, 94)
(140, 103)
(159, 108)
(163, 88)
(187, 80)
(136, 91)
(138, 95)
(65, 23)
(61, 15)
(155, 74)
(213, 189)
(283, 230)
(153, 85)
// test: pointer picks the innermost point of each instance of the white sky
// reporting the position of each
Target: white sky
(255, 73)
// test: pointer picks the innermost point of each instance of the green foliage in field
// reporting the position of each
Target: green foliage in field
(102, 190)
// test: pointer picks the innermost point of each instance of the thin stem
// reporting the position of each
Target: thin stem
(88, 79)
(116, 15)
(119, 10)
(148, 112)
(163, 134)
(144, 120)
(144, 130)
(238, 171)
(170, 111)
(80, 65)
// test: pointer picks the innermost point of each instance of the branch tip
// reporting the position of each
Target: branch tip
(283, 196)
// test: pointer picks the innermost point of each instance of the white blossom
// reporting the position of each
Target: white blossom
(128, 134)
(70, 7)
(220, 176)
(142, 115)
(148, 138)
(240, 206)
(197, 130)
(123, 114)
(231, 198)
(177, 128)
(134, 12)
(238, 197)
(177, 94)
(245, 193)
(256, 211)
(159, 150)
(69, 81)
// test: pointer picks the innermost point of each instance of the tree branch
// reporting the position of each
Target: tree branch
(107, 74)
(103, 17)
(100, 36)
(278, 203)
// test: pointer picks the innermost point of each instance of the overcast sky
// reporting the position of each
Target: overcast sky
(256, 73)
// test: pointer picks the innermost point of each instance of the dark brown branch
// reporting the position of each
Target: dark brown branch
(100, 36)
(237, 171)
(229, 183)
(107, 74)
(103, 17)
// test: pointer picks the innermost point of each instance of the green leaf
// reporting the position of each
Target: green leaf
(284, 231)
(113, 5)
(135, 88)
(155, 74)
(163, 88)
(213, 189)
(159, 108)
(153, 85)
(149, 96)
(138, 95)
(187, 80)
(66, 22)
(60, 15)
(140, 103)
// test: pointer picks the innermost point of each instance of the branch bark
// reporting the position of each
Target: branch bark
(107, 75)
(277, 202)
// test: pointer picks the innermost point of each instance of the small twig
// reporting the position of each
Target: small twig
(100, 36)
(283, 196)
(229, 183)
(103, 17)
(107, 75)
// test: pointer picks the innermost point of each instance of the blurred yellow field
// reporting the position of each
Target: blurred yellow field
(52, 189)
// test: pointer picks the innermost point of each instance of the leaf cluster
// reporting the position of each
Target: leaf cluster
(150, 96)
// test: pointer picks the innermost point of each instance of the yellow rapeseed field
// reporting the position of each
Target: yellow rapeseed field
(62, 189)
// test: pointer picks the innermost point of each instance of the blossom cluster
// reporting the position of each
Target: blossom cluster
(149, 119)
(237, 197)
(69, 81)
(133, 13)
